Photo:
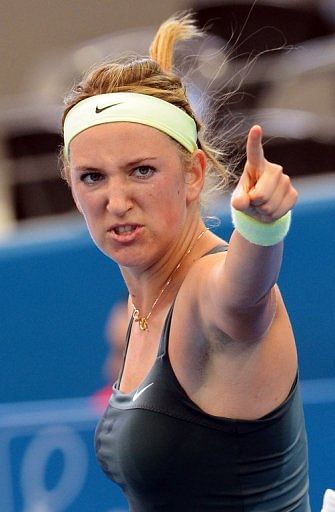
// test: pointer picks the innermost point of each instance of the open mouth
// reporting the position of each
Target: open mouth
(121, 230)
(124, 230)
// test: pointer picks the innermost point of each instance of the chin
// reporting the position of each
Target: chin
(124, 257)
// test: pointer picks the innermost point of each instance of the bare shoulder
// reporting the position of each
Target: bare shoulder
(196, 291)
(202, 327)
(227, 377)
(203, 271)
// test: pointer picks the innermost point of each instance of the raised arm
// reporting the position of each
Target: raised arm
(241, 285)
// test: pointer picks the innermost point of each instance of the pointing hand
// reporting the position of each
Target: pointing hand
(264, 191)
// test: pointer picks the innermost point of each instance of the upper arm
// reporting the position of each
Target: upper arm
(217, 308)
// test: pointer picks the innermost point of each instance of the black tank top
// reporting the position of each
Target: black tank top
(168, 455)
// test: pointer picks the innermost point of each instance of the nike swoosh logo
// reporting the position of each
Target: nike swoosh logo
(139, 392)
(99, 110)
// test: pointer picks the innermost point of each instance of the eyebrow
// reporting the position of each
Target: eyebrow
(84, 168)
(139, 160)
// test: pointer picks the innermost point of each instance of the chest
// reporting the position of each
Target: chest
(162, 449)
(176, 335)
(140, 355)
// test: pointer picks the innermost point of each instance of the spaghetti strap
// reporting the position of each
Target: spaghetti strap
(118, 382)
(163, 344)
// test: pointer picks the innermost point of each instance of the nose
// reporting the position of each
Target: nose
(118, 201)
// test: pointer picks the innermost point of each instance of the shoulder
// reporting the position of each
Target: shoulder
(205, 266)
(203, 301)
(198, 284)
(195, 291)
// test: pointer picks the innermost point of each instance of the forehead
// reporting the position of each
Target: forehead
(120, 139)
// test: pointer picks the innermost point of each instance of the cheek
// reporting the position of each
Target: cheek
(79, 202)
(87, 206)
(173, 204)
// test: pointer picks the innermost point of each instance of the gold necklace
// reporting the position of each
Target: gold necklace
(143, 321)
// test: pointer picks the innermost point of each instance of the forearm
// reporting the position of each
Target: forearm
(250, 271)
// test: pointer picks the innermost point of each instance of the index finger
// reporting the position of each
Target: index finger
(255, 154)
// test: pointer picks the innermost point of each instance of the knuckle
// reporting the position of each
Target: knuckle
(261, 198)
(276, 170)
(266, 209)
(294, 195)
(286, 179)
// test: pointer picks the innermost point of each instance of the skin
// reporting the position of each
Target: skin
(231, 344)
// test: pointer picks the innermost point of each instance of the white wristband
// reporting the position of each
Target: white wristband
(261, 233)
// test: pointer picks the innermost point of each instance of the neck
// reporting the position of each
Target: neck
(154, 288)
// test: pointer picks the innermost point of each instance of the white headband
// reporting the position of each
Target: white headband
(133, 108)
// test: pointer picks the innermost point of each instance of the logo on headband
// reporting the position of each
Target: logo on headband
(99, 110)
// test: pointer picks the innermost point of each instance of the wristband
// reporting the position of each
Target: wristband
(261, 233)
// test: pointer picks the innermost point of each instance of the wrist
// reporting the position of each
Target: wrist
(261, 233)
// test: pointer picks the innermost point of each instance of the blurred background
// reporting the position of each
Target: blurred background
(58, 293)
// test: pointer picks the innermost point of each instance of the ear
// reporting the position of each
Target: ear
(195, 176)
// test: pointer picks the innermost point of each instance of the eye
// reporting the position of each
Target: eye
(143, 171)
(91, 178)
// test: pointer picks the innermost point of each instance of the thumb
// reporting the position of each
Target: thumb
(240, 199)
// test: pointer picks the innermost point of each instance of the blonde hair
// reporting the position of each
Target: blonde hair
(154, 76)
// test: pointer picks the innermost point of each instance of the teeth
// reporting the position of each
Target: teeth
(124, 229)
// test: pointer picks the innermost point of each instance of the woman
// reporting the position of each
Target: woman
(206, 414)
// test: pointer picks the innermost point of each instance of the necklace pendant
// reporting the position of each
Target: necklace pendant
(143, 323)
(142, 320)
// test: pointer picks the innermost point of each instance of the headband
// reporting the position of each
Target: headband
(133, 108)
